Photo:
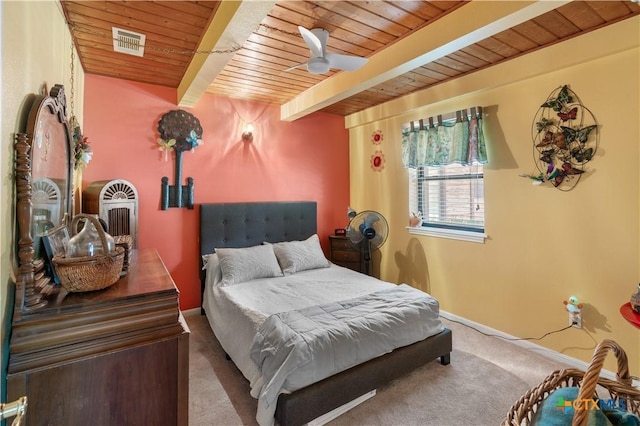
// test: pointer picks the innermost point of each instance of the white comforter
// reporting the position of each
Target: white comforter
(238, 313)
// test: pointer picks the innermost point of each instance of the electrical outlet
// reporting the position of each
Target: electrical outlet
(575, 319)
(575, 311)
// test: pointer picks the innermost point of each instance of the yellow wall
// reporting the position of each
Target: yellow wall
(35, 53)
(543, 244)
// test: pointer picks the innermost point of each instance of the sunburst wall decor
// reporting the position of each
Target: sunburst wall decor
(377, 161)
(376, 137)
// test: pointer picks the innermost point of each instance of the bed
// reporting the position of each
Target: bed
(255, 309)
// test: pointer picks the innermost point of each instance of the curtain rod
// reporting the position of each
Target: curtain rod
(461, 115)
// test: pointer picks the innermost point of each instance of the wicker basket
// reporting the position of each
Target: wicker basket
(89, 273)
(126, 242)
(588, 382)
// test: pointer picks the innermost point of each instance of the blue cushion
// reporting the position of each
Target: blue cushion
(558, 410)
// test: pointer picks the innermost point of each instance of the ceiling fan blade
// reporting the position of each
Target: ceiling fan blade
(301, 64)
(323, 36)
(345, 62)
(312, 41)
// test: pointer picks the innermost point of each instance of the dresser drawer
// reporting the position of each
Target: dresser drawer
(341, 243)
(343, 253)
(345, 256)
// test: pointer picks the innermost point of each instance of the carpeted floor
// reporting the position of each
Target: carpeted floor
(485, 377)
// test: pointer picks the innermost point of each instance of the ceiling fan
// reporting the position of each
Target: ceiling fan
(321, 60)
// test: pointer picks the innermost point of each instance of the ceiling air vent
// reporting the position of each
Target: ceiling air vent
(128, 42)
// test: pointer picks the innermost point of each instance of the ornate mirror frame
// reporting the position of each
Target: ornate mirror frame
(41, 168)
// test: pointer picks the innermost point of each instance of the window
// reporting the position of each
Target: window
(446, 174)
(449, 197)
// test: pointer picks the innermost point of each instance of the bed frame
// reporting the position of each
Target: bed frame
(247, 224)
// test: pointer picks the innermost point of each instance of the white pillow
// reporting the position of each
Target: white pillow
(206, 258)
(212, 266)
(296, 256)
(244, 264)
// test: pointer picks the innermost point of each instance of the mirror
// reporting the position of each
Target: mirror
(44, 172)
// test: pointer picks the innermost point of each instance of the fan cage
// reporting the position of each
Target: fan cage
(378, 223)
(357, 230)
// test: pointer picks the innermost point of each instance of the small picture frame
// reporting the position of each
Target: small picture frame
(55, 243)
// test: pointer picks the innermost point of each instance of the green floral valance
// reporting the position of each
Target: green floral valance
(440, 143)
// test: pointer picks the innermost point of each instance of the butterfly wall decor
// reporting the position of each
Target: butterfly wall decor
(565, 138)
(558, 103)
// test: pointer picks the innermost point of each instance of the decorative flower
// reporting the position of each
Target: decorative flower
(85, 157)
(82, 150)
(165, 146)
(377, 161)
(376, 137)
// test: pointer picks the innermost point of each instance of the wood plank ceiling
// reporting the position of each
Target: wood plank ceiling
(256, 70)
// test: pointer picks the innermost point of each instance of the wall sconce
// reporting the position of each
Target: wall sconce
(247, 134)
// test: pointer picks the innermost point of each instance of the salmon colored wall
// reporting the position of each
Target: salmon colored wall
(287, 161)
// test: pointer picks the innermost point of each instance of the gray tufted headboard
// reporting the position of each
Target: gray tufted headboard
(248, 224)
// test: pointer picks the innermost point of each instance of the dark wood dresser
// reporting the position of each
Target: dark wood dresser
(343, 253)
(118, 356)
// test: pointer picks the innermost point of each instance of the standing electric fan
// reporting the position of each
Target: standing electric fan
(367, 231)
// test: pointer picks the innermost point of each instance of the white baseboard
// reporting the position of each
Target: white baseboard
(326, 418)
(546, 352)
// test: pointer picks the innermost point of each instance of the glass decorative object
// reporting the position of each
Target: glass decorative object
(635, 300)
(88, 242)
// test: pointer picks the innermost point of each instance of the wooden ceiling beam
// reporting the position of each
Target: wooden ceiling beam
(463, 27)
(231, 26)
